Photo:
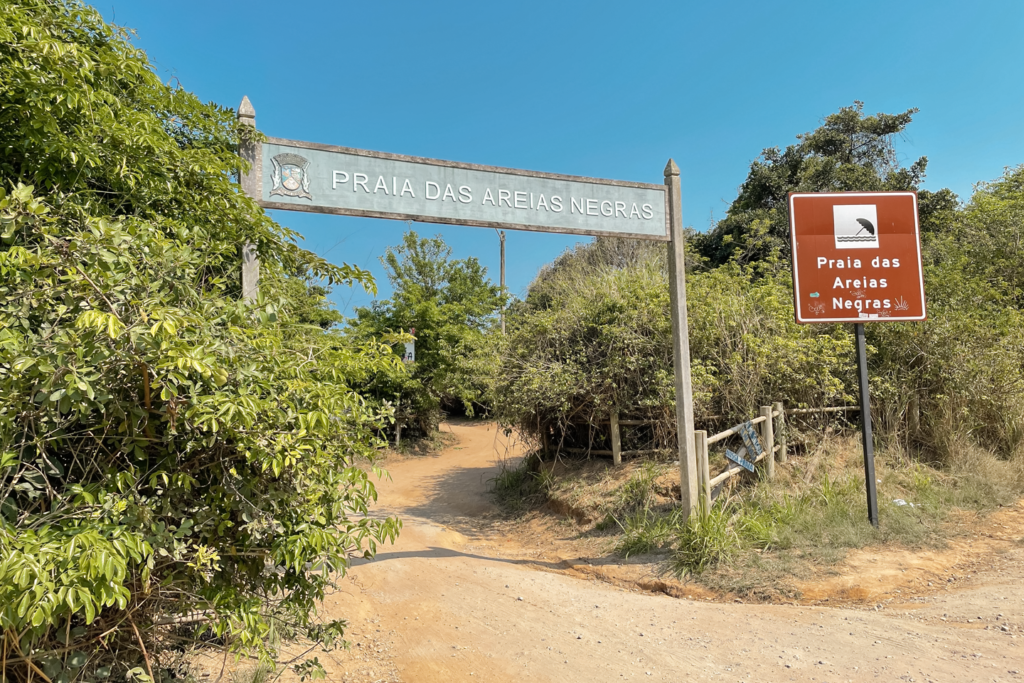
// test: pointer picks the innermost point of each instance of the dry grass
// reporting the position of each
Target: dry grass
(816, 511)
(760, 537)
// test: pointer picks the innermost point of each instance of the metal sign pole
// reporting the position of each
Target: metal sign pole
(681, 340)
(865, 412)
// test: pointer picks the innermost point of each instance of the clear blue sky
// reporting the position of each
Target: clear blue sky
(605, 89)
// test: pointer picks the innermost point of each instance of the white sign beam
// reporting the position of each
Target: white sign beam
(306, 176)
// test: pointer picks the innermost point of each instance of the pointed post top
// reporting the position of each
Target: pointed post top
(246, 112)
(671, 169)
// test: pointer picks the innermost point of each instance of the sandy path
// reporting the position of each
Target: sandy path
(443, 605)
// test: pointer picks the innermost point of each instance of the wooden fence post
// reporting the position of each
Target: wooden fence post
(782, 431)
(914, 414)
(616, 441)
(398, 423)
(768, 434)
(703, 471)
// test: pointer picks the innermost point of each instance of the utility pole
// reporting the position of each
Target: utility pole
(501, 234)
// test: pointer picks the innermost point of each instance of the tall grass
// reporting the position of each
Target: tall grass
(705, 540)
(645, 531)
(517, 485)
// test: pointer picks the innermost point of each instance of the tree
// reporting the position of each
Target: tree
(166, 449)
(450, 304)
(849, 152)
(306, 300)
(991, 233)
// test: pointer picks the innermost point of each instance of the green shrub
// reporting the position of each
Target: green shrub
(961, 372)
(165, 448)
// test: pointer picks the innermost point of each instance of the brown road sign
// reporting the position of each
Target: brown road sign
(856, 257)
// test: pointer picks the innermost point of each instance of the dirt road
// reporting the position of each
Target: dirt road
(463, 596)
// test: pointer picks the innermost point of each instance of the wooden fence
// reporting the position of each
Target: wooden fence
(765, 425)
(770, 425)
(616, 438)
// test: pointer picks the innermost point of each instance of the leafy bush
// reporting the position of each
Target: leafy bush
(597, 338)
(167, 451)
(962, 371)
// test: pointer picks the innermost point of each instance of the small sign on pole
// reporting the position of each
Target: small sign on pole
(857, 259)
(410, 349)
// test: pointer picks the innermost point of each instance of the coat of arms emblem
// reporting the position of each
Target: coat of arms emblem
(290, 176)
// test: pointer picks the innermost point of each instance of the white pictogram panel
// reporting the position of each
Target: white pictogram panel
(856, 226)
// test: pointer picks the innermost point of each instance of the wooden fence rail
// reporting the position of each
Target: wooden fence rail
(736, 469)
(720, 436)
(605, 452)
(806, 411)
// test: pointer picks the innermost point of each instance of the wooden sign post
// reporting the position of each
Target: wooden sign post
(292, 175)
(680, 340)
(250, 152)
(857, 259)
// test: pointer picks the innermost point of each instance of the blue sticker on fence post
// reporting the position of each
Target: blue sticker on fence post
(751, 439)
(738, 459)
